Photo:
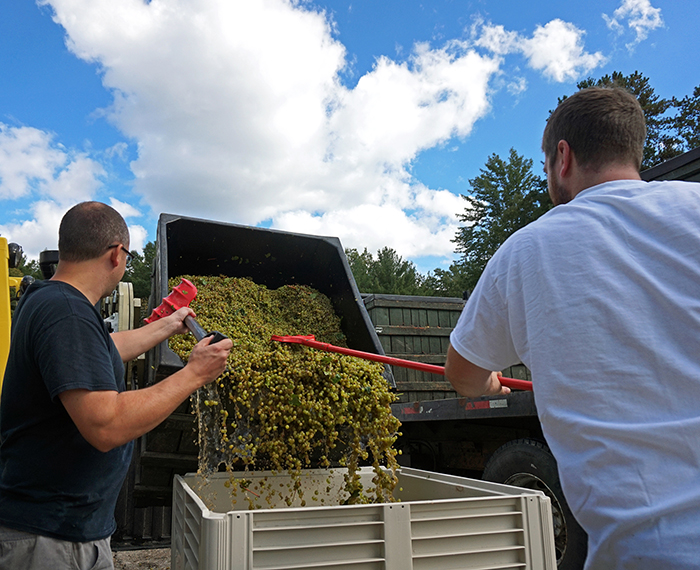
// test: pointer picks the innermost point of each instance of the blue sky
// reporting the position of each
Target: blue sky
(358, 119)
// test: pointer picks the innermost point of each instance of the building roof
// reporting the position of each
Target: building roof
(683, 167)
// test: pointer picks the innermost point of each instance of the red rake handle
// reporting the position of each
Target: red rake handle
(313, 343)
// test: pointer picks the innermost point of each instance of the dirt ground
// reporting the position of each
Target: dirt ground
(146, 559)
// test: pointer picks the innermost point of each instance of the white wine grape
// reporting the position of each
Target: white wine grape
(285, 407)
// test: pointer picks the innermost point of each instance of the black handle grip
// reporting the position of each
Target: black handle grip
(199, 333)
(217, 336)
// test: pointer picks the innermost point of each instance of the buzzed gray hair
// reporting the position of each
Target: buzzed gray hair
(88, 229)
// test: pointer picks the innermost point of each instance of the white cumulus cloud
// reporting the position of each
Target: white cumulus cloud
(27, 158)
(39, 231)
(641, 18)
(51, 177)
(126, 210)
(495, 38)
(239, 114)
(556, 49)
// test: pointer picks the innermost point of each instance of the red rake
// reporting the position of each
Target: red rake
(311, 341)
(181, 296)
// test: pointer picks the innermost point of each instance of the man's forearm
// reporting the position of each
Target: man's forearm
(470, 380)
(139, 411)
(108, 419)
(133, 343)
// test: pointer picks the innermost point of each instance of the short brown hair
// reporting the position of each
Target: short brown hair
(603, 125)
(88, 229)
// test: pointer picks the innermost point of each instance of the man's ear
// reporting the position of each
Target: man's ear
(114, 256)
(564, 157)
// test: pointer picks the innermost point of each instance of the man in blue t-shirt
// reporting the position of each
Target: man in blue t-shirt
(67, 422)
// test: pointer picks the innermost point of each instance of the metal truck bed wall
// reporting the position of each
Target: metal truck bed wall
(418, 328)
(190, 246)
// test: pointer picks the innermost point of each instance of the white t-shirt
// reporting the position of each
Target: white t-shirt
(600, 298)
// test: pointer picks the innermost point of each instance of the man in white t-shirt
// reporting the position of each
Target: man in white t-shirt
(600, 298)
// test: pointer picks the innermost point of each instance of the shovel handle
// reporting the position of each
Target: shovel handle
(309, 340)
(199, 333)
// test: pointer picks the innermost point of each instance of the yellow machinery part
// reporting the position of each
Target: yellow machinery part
(4, 306)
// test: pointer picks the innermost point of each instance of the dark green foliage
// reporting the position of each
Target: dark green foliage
(505, 197)
(687, 120)
(26, 267)
(141, 270)
(389, 273)
(447, 283)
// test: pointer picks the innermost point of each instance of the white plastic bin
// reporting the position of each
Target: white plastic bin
(441, 522)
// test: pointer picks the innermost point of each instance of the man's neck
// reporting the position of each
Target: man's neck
(588, 177)
(85, 276)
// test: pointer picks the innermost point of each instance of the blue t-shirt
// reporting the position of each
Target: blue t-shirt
(52, 481)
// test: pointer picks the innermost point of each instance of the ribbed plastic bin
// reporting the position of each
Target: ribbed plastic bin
(442, 522)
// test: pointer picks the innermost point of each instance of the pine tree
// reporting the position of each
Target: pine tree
(505, 197)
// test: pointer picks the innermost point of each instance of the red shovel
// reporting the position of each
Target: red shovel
(310, 340)
(181, 296)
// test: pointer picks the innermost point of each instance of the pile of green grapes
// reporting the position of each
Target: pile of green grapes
(286, 407)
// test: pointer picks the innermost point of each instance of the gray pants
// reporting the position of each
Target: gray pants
(26, 551)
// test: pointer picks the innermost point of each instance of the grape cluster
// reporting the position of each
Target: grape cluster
(284, 407)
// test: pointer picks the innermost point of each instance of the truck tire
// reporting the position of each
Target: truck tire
(530, 464)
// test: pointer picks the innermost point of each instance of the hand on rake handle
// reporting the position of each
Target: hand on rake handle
(199, 333)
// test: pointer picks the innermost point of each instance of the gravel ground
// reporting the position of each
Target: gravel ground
(146, 559)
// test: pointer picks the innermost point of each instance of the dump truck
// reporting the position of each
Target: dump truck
(441, 432)
(190, 246)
